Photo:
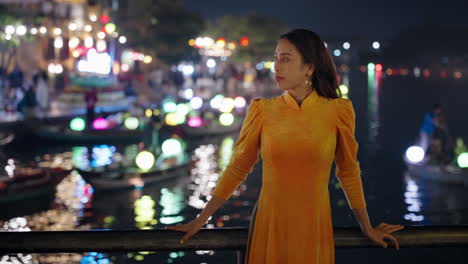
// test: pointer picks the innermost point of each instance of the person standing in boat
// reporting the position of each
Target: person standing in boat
(428, 127)
(90, 98)
(435, 137)
(298, 135)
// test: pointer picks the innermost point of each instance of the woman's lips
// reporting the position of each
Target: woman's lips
(279, 78)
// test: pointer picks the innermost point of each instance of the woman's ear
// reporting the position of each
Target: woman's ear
(310, 69)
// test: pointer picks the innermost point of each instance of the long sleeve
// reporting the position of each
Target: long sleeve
(348, 171)
(246, 152)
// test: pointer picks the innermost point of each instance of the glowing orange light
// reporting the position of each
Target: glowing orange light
(244, 41)
(221, 42)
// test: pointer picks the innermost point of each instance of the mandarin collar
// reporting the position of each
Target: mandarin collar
(291, 102)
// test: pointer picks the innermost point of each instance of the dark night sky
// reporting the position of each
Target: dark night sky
(343, 18)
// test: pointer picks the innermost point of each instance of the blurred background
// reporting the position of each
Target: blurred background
(119, 114)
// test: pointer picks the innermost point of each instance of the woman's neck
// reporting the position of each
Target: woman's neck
(300, 94)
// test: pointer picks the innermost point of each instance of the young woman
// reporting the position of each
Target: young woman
(299, 135)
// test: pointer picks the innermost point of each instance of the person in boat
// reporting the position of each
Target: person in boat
(298, 134)
(437, 156)
(441, 146)
(90, 98)
(431, 120)
(152, 135)
(28, 103)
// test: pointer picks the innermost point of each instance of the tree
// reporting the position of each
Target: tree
(162, 27)
(9, 43)
(261, 31)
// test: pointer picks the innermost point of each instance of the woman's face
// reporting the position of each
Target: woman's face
(290, 70)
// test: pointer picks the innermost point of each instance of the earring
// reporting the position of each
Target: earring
(308, 82)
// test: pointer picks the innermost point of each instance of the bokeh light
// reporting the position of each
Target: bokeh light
(171, 147)
(172, 119)
(169, 106)
(182, 109)
(415, 154)
(148, 112)
(346, 45)
(226, 119)
(77, 124)
(195, 121)
(227, 105)
(145, 160)
(100, 123)
(196, 103)
(240, 102)
(462, 160)
(376, 45)
(344, 89)
(217, 101)
(131, 123)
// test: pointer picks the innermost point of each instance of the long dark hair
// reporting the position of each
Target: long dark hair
(314, 52)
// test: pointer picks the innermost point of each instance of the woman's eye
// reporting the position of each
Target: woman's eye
(281, 59)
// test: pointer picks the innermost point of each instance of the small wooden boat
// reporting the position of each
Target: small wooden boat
(203, 131)
(438, 173)
(6, 138)
(29, 183)
(117, 135)
(131, 177)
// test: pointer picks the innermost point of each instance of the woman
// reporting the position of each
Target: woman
(299, 134)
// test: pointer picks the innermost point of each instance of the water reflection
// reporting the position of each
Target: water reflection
(413, 200)
(204, 176)
(145, 213)
(172, 202)
(72, 198)
(434, 203)
(374, 90)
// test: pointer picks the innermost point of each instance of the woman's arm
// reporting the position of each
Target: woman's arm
(246, 151)
(196, 224)
(362, 218)
(213, 204)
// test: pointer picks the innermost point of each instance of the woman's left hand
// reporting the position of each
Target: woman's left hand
(383, 231)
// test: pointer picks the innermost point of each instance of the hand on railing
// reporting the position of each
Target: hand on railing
(190, 228)
(383, 231)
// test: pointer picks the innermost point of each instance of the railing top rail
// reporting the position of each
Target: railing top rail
(206, 239)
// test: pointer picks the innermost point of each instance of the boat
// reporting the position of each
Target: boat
(6, 138)
(28, 184)
(202, 131)
(117, 135)
(444, 174)
(119, 179)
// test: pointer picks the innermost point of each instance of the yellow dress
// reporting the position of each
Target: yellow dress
(298, 145)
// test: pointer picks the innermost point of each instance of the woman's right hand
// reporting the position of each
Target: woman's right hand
(190, 228)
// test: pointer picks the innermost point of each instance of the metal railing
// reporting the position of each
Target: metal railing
(207, 239)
